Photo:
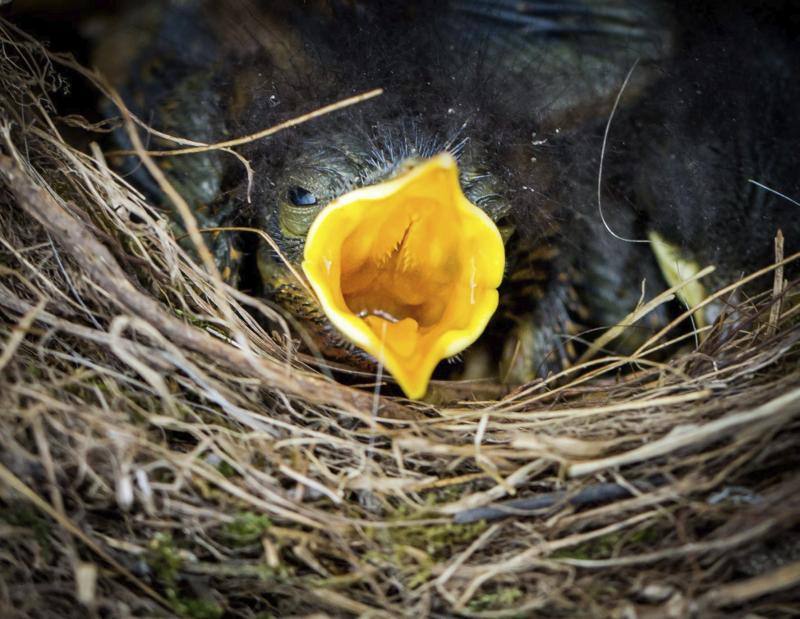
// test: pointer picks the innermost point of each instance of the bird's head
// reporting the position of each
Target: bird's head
(399, 245)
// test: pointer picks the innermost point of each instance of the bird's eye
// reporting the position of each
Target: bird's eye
(299, 196)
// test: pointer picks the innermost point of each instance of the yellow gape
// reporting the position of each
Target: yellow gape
(407, 269)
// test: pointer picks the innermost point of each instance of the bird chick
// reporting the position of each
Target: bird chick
(490, 112)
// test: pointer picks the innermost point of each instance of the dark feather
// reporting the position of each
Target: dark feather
(519, 92)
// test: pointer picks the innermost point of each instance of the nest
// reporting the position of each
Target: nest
(167, 447)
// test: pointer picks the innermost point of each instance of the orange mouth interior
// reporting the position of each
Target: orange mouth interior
(407, 269)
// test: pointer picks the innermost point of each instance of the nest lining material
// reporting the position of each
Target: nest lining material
(164, 453)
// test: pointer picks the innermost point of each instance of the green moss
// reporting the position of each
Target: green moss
(438, 541)
(197, 609)
(246, 528)
(646, 536)
(418, 569)
(503, 598)
(600, 548)
(260, 570)
(164, 558)
(226, 469)
(603, 547)
(415, 549)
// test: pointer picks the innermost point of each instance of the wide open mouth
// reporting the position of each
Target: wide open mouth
(407, 269)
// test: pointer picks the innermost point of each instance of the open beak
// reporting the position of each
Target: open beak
(407, 269)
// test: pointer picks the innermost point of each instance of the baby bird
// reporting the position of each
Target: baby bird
(469, 184)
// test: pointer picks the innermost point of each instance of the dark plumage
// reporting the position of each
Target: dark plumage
(519, 92)
(725, 114)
